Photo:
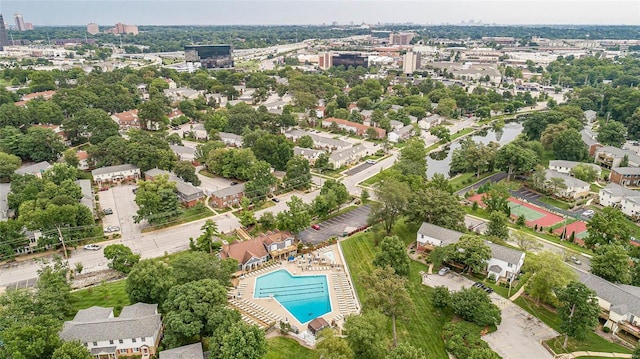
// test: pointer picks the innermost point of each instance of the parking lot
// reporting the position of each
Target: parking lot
(121, 200)
(334, 227)
(210, 184)
(518, 335)
(359, 168)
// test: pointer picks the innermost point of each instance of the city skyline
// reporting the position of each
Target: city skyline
(267, 12)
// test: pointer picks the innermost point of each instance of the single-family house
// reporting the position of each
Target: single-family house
(188, 194)
(45, 95)
(250, 254)
(625, 176)
(353, 127)
(127, 119)
(401, 134)
(116, 174)
(317, 325)
(347, 156)
(175, 113)
(229, 196)
(430, 236)
(230, 139)
(136, 332)
(320, 111)
(589, 139)
(573, 188)
(590, 116)
(505, 262)
(199, 132)
(310, 154)
(184, 153)
(565, 167)
(431, 121)
(36, 169)
(612, 195)
(5, 188)
(611, 157)
(88, 197)
(619, 303)
(191, 351)
(83, 160)
(319, 142)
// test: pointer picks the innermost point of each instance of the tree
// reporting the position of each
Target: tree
(243, 341)
(298, 173)
(393, 253)
(187, 308)
(569, 146)
(187, 172)
(193, 266)
(435, 206)
(364, 194)
(413, 158)
(389, 295)
(443, 133)
(260, 182)
(497, 226)
(471, 251)
(636, 353)
(578, 311)
(611, 262)
(121, 257)
(406, 351)
(296, 218)
(72, 350)
(585, 172)
(152, 115)
(440, 297)
(267, 220)
(149, 281)
(330, 346)
(366, 334)
(612, 133)
(59, 173)
(206, 242)
(393, 197)
(305, 141)
(473, 304)
(156, 200)
(515, 159)
(41, 144)
(524, 241)
(8, 164)
(497, 198)
(71, 158)
(548, 274)
(607, 227)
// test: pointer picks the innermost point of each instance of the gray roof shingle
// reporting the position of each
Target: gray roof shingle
(447, 236)
(506, 254)
(34, 168)
(112, 169)
(624, 299)
(229, 191)
(191, 351)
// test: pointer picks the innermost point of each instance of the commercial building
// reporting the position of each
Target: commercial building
(209, 56)
(347, 60)
(93, 28)
(325, 61)
(19, 22)
(4, 39)
(401, 38)
(411, 62)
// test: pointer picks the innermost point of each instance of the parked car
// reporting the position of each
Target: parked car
(233, 183)
(588, 213)
(102, 189)
(107, 211)
(110, 229)
(92, 247)
(371, 162)
(316, 227)
(444, 271)
(576, 261)
(275, 200)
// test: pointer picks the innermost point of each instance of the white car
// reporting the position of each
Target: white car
(92, 247)
(588, 213)
(110, 229)
(444, 271)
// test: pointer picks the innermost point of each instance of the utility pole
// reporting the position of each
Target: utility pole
(64, 248)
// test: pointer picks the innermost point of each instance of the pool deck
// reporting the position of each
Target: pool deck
(267, 311)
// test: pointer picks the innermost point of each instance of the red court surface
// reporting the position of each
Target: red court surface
(578, 227)
(546, 219)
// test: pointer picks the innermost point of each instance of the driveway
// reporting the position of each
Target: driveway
(121, 200)
(334, 227)
(356, 169)
(519, 334)
(493, 179)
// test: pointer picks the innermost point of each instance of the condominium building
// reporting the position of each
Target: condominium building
(411, 62)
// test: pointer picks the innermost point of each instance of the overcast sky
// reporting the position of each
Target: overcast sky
(221, 12)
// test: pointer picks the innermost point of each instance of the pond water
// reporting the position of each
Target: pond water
(440, 162)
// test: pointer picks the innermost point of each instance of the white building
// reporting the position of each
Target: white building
(319, 142)
(347, 156)
(310, 154)
(119, 173)
(430, 235)
(612, 195)
(411, 62)
(230, 139)
(137, 331)
(565, 167)
(184, 153)
(401, 134)
(573, 187)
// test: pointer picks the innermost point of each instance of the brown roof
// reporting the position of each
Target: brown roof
(317, 324)
(82, 155)
(274, 237)
(127, 117)
(44, 94)
(245, 250)
(360, 127)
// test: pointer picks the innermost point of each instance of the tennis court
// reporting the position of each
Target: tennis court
(530, 214)
(534, 215)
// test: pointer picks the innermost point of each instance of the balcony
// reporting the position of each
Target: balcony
(629, 328)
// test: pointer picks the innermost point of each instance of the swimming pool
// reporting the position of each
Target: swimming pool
(305, 297)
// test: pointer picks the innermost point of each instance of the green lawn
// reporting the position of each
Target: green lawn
(461, 133)
(188, 215)
(463, 180)
(286, 348)
(556, 202)
(593, 342)
(423, 328)
(110, 294)
(375, 178)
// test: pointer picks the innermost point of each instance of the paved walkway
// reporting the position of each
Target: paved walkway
(518, 293)
(592, 354)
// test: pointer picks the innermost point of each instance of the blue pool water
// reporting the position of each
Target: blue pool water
(305, 297)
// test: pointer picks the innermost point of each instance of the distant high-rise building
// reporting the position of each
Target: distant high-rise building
(411, 62)
(121, 28)
(325, 60)
(209, 56)
(131, 29)
(93, 28)
(402, 38)
(4, 39)
(19, 22)
(28, 26)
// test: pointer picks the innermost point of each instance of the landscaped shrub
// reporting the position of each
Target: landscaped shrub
(606, 329)
(521, 221)
(474, 206)
(462, 339)
(440, 297)
(535, 227)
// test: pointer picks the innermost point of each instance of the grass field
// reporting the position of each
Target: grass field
(188, 215)
(286, 348)
(110, 294)
(593, 342)
(423, 328)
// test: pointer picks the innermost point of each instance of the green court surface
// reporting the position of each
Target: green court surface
(518, 209)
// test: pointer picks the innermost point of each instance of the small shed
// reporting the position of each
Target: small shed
(317, 325)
